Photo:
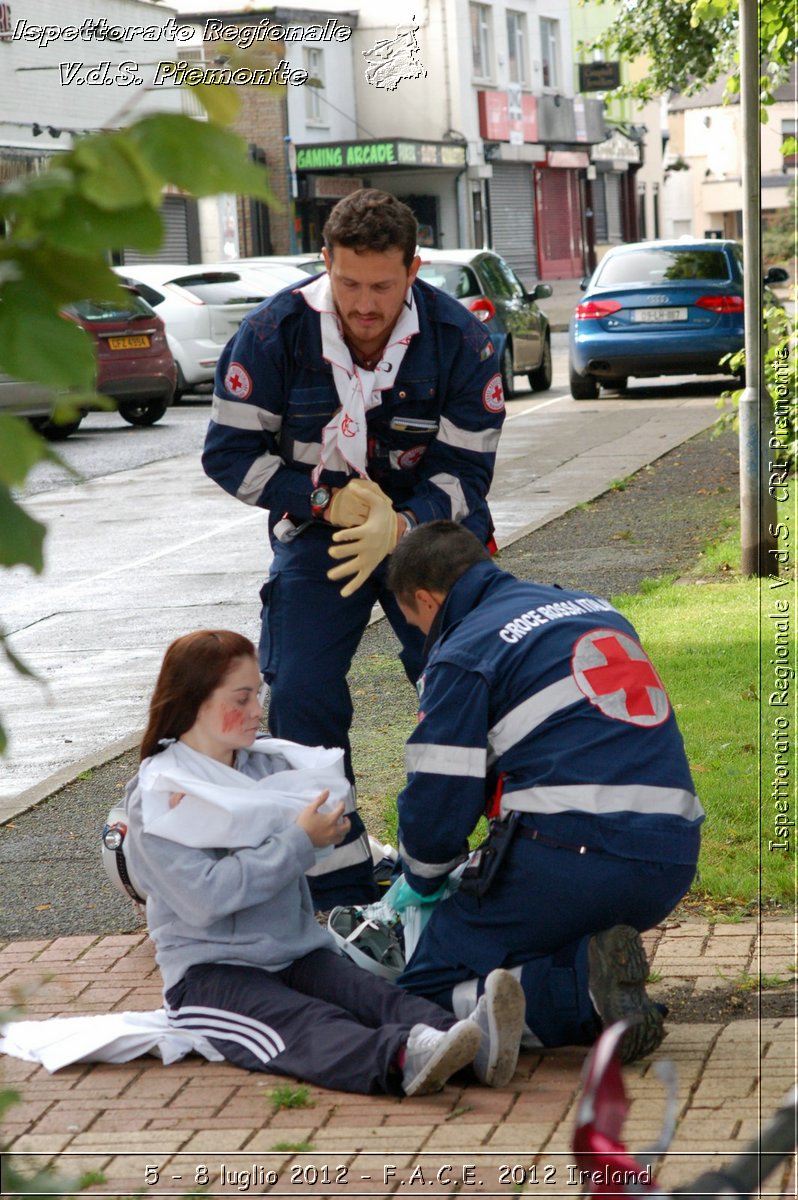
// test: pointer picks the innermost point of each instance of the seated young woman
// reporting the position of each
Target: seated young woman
(243, 960)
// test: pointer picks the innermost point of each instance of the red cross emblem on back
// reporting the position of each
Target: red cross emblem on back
(616, 675)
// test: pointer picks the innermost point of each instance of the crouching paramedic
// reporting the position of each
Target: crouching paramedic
(539, 706)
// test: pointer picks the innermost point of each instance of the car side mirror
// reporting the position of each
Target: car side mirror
(776, 275)
(541, 291)
(583, 282)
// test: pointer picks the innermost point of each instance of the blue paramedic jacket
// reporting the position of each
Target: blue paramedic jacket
(548, 695)
(431, 441)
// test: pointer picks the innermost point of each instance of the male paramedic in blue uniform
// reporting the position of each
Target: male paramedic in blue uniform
(540, 707)
(354, 407)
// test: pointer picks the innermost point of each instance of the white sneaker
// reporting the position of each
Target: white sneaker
(432, 1055)
(499, 1016)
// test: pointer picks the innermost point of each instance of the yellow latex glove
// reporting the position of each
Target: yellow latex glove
(365, 545)
(348, 507)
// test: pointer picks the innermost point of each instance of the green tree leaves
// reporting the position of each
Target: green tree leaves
(60, 229)
(690, 44)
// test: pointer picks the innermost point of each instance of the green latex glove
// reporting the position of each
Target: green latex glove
(406, 896)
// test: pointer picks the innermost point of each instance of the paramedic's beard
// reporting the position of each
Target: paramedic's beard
(368, 332)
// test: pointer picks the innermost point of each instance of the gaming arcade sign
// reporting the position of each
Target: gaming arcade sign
(346, 156)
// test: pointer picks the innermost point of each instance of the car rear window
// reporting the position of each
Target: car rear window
(455, 280)
(663, 266)
(220, 287)
(110, 310)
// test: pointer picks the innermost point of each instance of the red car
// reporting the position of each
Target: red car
(134, 364)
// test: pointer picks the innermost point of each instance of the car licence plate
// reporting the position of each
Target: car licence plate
(138, 341)
(655, 316)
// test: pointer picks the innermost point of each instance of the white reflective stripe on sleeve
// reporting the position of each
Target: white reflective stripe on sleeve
(306, 452)
(343, 856)
(526, 716)
(445, 760)
(452, 487)
(426, 870)
(257, 477)
(602, 799)
(237, 415)
(483, 441)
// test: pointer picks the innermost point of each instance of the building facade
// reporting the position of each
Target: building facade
(703, 188)
(68, 68)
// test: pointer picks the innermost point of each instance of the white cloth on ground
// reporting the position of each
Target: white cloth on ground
(112, 1037)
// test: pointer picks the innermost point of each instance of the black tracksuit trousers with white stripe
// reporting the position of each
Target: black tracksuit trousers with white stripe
(322, 1019)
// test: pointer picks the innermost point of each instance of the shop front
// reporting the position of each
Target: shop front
(425, 175)
(537, 148)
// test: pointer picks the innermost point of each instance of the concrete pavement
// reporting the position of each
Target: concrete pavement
(136, 558)
(189, 1122)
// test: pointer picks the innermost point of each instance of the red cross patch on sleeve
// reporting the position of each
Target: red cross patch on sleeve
(493, 394)
(238, 382)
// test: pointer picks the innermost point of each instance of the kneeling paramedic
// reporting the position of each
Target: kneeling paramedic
(538, 707)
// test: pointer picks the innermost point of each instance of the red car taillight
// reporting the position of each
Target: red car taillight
(721, 304)
(592, 309)
(482, 309)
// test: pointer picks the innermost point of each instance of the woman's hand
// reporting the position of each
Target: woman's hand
(324, 829)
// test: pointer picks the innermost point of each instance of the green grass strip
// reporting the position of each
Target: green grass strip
(703, 638)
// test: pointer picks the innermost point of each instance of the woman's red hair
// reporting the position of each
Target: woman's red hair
(193, 667)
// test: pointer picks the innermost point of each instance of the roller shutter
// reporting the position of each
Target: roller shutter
(181, 234)
(512, 218)
(559, 223)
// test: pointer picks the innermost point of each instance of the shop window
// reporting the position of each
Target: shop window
(481, 51)
(550, 52)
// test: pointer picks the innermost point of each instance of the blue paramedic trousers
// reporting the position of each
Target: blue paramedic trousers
(538, 918)
(321, 1019)
(309, 635)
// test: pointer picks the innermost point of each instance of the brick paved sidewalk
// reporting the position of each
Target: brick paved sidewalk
(210, 1129)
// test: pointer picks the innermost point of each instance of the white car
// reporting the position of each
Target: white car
(310, 263)
(202, 306)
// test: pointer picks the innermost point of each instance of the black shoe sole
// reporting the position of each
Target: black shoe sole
(618, 971)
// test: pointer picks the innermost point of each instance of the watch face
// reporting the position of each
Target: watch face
(319, 498)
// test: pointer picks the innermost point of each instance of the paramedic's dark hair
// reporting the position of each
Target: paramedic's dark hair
(193, 667)
(433, 557)
(369, 220)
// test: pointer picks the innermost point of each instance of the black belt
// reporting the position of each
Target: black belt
(534, 835)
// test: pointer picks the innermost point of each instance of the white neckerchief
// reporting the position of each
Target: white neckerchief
(343, 439)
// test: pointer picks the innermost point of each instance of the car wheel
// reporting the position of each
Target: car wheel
(53, 432)
(143, 414)
(508, 372)
(540, 380)
(583, 387)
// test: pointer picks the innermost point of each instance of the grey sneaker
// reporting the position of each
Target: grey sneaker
(617, 973)
(500, 1016)
(432, 1055)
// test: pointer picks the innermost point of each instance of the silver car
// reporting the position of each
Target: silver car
(35, 401)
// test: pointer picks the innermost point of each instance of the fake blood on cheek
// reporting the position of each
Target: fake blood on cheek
(232, 718)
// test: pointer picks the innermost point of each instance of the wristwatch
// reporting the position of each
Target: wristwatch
(320, 497)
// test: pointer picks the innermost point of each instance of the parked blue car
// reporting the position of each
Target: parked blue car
(659, 308)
